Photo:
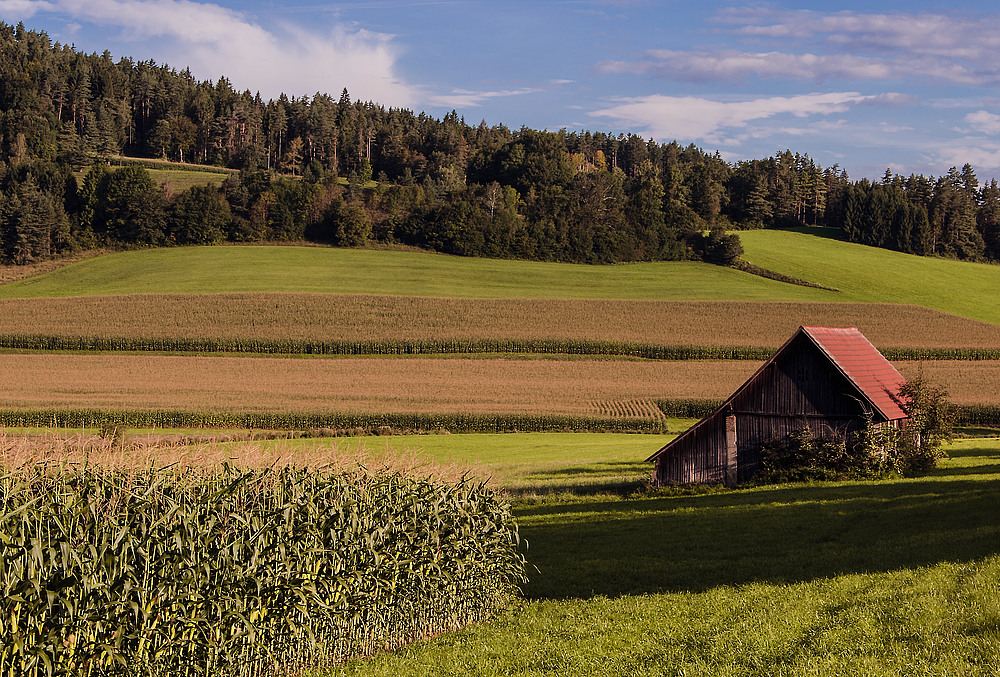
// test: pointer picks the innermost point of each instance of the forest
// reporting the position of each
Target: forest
(73, 127)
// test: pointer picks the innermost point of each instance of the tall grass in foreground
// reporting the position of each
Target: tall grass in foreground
(124, 570)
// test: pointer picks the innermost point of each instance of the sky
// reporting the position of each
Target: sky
(909, 86)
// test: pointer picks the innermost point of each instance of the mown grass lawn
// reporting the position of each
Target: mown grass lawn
(892, 578)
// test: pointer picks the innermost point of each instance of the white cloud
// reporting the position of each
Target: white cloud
(214, 41)
(732, 65)
(984, 157)
(463, 98)
(18, 10)
(843, 45)
(687, 117)
(984, 122)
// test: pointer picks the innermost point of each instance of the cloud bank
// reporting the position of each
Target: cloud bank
(845, 45)
(688, 117)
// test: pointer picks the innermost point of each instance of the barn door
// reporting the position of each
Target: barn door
(731, 467)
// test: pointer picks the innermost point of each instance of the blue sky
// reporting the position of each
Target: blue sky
(911, 86)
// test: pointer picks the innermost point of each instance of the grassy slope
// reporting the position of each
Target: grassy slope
(179, 181)
(828, 579)
(871, 274)
(315, 269)
(863, 274)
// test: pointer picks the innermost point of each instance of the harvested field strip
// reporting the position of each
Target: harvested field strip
(967, 382)
(551, 387)
(275, 317)
(352, 385)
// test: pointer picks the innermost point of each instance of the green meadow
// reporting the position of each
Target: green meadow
(351, 271)
(871, 274)
(524, 464)
(179, 181)
(893, 578)
(860, 273)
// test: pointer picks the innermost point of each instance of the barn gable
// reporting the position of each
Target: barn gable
(830, 379)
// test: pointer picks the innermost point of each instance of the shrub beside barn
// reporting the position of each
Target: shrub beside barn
(831, 380)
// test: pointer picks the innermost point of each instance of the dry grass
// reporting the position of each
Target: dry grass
(579, 387)
(422, 385)
(14, 273)
(967, 382)
(388, 318)
(356, 385)
(153, 450)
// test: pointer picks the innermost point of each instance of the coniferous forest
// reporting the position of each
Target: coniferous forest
(352, 173)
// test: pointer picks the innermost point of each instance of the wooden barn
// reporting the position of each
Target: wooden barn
(830, 379)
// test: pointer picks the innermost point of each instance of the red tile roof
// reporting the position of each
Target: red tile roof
(863, 364)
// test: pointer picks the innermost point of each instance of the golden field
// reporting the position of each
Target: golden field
(583, 387)
(301, 316)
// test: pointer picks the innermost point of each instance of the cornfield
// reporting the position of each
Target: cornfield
(963, 414)
(274, 318)
(354, 424)
(186, 571)
(479, 346)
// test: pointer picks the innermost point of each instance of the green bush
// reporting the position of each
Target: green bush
(801, 456)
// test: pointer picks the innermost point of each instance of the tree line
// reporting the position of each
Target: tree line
(351, 173)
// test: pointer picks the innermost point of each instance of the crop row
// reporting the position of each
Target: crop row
(397, 423)
(964, 414)
(444, 347)
(340, 423)
(391, 347)
(262, 572)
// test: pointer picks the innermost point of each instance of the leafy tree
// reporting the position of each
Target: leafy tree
(929, 427)
(717, 246)
(199, 215)
(128, 208)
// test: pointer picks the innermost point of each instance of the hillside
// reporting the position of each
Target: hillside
(862, 274)
(870, 274)
(349, 271)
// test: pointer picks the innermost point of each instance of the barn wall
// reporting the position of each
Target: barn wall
(800, 381)
(699, 458)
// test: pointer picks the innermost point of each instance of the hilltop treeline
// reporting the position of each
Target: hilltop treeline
(349, 173)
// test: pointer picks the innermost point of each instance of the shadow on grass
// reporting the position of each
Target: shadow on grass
(602, 468)
(768, 534)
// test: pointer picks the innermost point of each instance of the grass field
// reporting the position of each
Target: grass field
(179, 181)
(353, 317)
(357, 271)
(870, 274)
(895, 578)
(859, 272)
